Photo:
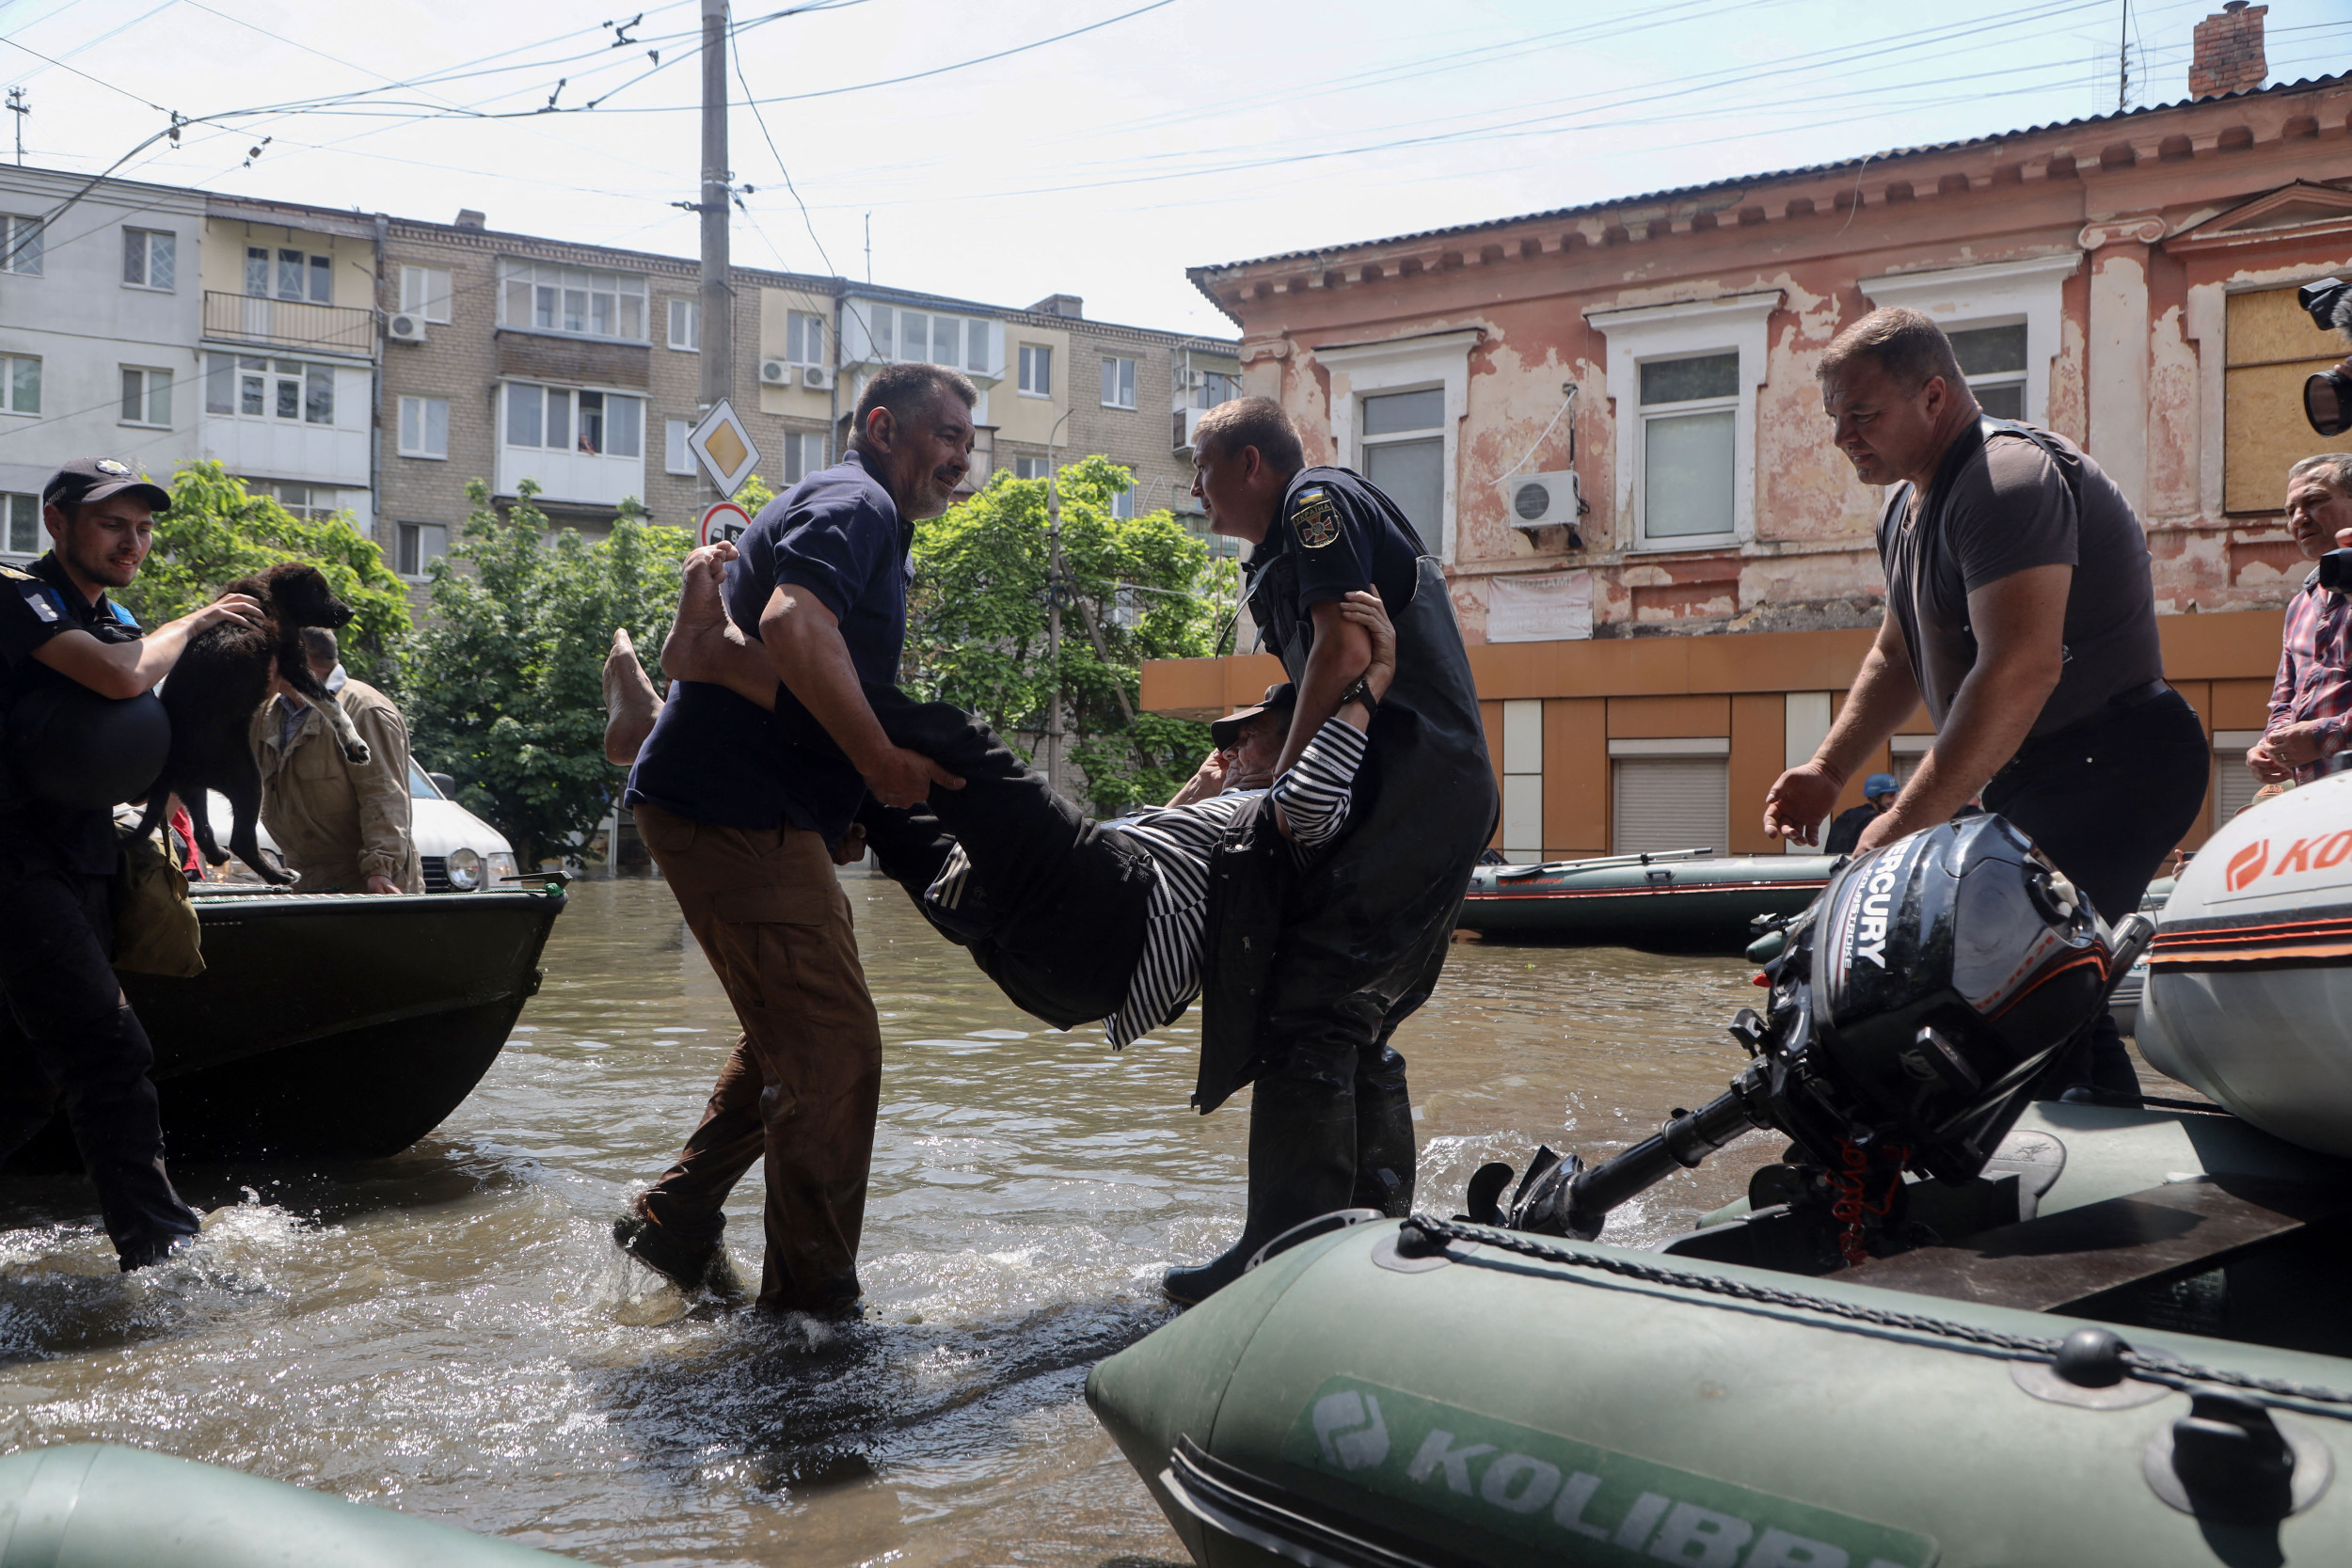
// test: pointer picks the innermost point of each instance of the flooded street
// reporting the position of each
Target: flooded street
(450, 1332)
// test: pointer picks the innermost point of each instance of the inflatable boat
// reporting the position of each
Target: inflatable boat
(328, 1026)
(86, 1505)
(1667, 901)
(1952, 1326)
(2249, 983)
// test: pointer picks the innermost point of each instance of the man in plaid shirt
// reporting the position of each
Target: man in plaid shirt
(2308, 730)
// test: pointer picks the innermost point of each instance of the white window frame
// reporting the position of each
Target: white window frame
(803, 454)
(8, 363)
(147, 397)
(271, 370)
(1993, 294)
(15, 505)
(21, 239)
(1401, 365)
(571, 419)
(535, 277)
(425, 293)
(1733, 322)
(1123, 501)
(311, 268)
(1034, 358)
(675, 458)
(804, 338)
(1119, 382)
(403, 534)
(686, 313)
(1028, 467)
(147, 238)
(422, 408)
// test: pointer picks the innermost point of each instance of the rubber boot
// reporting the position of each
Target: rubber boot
(1302, 1165)
(1385, 1157)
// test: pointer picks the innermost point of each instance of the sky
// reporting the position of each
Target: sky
(1003, 150)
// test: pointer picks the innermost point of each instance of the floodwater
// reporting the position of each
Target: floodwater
(450, 1332)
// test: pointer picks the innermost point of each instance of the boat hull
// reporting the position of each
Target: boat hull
(1674, 906)
(331, 1026)
(2249, 983)
(1343, 1404)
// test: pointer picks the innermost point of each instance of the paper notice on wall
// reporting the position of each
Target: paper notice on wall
(1555, 608)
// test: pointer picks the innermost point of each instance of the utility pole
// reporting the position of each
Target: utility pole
(18, 106)
(716, 338)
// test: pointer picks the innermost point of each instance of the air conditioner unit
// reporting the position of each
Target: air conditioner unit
(817, 378)
(1187, 430)
(1543, 501)
(406, 328)
(775, 372)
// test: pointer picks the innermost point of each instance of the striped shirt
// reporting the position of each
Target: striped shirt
(1315, 797)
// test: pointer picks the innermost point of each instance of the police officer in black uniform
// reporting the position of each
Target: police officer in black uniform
(80, 723)
(1307, 970)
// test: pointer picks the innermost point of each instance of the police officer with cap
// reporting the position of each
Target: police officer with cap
(82, 734)
(1307, 971)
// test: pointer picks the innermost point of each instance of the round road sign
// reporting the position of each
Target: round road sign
(725, 521)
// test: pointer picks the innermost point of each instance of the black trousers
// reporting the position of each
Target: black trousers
(2108, 801)
(69, 1035)
(1055, 909)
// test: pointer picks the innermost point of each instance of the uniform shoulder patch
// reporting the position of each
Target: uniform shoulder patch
(36, 595)
(15, 574)
(1315, 518)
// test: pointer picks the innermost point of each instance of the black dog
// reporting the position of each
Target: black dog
(212, 694)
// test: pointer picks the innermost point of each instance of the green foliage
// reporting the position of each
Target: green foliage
(218, 532)
(505, 679)
(977, 616)
(752, 494)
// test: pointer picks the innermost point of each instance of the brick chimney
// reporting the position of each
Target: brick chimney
(2228, 56)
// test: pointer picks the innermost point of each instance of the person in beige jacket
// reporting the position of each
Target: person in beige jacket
(342, 827)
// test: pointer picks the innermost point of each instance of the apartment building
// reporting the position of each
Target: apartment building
(100, 316)
(1605, 419)
(375, 365)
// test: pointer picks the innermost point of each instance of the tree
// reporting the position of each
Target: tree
(218, 531)
(505, 678)
(977, 623)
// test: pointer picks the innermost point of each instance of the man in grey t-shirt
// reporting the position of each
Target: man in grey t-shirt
(2019, 610)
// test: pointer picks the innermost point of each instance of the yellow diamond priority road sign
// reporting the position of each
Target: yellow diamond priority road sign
(724, 447)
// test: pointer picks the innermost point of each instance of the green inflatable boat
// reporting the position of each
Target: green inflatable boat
(1669, 901)
(87, 1505)
(1955, 1326)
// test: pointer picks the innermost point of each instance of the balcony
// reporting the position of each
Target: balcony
(289, 324)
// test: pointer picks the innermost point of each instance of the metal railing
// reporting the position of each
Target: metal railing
(248, 318)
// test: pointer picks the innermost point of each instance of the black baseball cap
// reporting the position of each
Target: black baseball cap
(1282, 695)
(94, 478)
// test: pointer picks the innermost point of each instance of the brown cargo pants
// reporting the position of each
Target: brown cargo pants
(806, 1080)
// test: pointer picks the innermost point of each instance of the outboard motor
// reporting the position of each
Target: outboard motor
(1912, 1008)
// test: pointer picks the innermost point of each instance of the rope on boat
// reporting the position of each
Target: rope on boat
(2312, 1398)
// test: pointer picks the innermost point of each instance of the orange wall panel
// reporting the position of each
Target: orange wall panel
(1668, 718)
(2240, 644)
(1759, 740)
(1576, 777)
(2240, 706)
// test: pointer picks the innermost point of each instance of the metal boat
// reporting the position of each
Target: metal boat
(1665, 901)
(330, 1026)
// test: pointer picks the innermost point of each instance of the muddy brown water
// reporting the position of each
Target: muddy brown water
(450, 1333)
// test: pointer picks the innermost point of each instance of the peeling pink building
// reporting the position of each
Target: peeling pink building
(1605, 420)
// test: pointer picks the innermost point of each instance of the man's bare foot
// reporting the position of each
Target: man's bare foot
(697, 647)
(631, 703)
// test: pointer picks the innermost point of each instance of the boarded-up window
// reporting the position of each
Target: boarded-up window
(1669, 803)
(2272, 347)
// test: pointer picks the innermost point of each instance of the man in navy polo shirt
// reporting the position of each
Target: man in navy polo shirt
(744, 811)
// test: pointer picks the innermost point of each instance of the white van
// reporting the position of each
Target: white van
(461, 852)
